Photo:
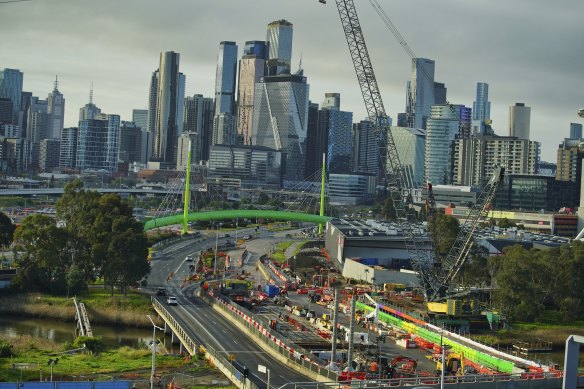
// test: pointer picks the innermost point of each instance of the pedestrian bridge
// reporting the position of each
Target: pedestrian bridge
(234, 214)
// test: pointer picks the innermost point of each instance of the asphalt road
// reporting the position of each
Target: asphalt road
(203, 322)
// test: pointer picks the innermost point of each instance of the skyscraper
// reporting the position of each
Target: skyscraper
(225, 78)
(336, 128)
(279, 39)
(98, 143)
(68, 151)
(365, 148)
(90, 110)
(251, 69)
(132, 145)
(410, 144)
(332, 101)
(49, 154)
(442, 128)
(166, 105)
(11, 81)
(280, 120)
(140, 118)
(481, 109)
(315, 143)
(519, 117)
(420, 92)
(56, 111)
(198, 121)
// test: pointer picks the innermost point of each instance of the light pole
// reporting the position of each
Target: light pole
(153, 372)
(216, 246)
(366, 275)
(52, 362)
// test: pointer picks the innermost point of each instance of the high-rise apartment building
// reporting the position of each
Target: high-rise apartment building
(475, 158)
(38, 120)
(56, 111)
(440, 93)
(420, 92)
(98, 143)
(279, 39)
(49, 154)
(575, 131)
(315, 144)
(224, 129)
(11, 81)
(185, 140)
(365, 148)
(166, 104)
(251, 69)
(481, 108)
(336, 126)
(68, 148)
(442, 128)
(519, 118)
(569, 160)
(464, 115)
(5, 110)
(280, 120)
(410, 144)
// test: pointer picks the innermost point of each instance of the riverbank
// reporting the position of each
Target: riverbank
(101, 306)
(25, 358)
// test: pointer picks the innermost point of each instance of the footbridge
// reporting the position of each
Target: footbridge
(233, 214)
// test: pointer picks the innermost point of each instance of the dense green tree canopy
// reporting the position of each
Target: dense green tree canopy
(6, 230)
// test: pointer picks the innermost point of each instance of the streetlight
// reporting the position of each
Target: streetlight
(52, 362)
(153, 351)
(216, 246)
(366, 274)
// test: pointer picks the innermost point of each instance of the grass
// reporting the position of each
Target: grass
(37, 352)
(102, 307)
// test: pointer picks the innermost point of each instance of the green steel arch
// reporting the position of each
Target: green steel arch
(236, 213)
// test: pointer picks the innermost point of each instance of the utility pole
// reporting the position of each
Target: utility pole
(352, 330)
(153, 371)
(335, 323)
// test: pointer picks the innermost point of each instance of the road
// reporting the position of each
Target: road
(204, 323)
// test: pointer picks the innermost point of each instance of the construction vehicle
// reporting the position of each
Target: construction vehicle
(401, 367)
(454, 365)
(435, 280)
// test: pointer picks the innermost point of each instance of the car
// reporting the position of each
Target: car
(171, 300)
(189, 258)
(161, 292)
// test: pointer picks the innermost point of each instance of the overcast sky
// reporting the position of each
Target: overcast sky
(529, 51)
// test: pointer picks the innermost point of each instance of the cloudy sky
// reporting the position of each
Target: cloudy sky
(529, 51)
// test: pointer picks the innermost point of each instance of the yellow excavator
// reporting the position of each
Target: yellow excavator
(454, 365)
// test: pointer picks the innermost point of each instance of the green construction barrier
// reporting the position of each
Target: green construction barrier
(474, 355)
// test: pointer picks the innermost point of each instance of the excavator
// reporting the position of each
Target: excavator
(401, 367)
(454, 365)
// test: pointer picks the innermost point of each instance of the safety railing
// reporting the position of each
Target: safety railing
(297, 356)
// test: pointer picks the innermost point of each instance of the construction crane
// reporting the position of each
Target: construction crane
(435, 281)
(416, 243)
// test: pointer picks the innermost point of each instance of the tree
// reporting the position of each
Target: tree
(44, 261)
(6, 230)
(506, 223)
(388, 211)
(444, 229)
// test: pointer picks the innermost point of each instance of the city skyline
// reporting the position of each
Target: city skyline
(519, 60)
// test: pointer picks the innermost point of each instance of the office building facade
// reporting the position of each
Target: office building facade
(68, 148)
(569, 160)
(246, 166)
(225, 78)
(411, 145)
(280, 120)
(166, 104)
(575, 131)
(279, 38)
(351, 189)
(251, 69)
(56, 111)
(442, 128)
(49, 154)
(11, 81)
(98, 143)
(365, 148)
(337, 128)
(420, 92)
(198, 122)
(132, 144)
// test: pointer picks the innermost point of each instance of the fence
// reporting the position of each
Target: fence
(299, 357)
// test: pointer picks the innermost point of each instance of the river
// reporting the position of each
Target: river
(61, 332)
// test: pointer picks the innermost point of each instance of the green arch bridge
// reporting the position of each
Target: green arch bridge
(233, 214)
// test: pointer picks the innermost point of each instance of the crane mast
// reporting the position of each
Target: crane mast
(421, 259)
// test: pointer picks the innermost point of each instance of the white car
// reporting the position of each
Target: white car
(171, 300)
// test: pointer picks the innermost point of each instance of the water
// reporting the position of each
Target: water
(61, 332)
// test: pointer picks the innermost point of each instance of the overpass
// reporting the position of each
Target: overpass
(59, 191)
(236, 213)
